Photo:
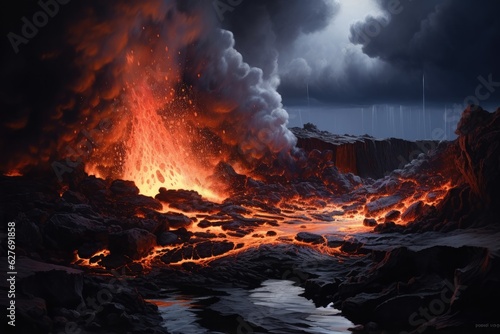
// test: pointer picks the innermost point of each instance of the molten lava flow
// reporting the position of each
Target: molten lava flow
(258, 227)
(93, 261)
(245, 223)
(158, 150)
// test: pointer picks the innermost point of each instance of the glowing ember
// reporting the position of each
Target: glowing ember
(13, 173)
(93, 261)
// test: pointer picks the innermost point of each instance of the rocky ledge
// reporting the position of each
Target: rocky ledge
(365, 156)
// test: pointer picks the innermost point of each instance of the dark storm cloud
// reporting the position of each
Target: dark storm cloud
(264, 29)
(455, 35)
(453, 42)
(456, 43)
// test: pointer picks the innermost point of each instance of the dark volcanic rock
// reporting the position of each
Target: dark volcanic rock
(178, 195)
(32, 316)
(396, 312)
(56, 285)
(370, 222)
(57, 299)
(91, 185)
(132, 203)
(392, 215)
(388, 227)
(185, 200)
(168, 238)
(310, 238)
(404, 282)
(364, 156)
(74, 197)
(183, 234)
(120, 308)
(353, 247)
(124, 188)
(382, 204)
(473, 201)
(334, 240)
(320, 291)
(479, 136)
(120, 198)
(135, 243)
(219, 248)
(28, 234)
(478, 162)
(201, 250)
(86, 250)
(177, 220)
(151, 225)
(69, 231)
(413, 211)
(225, 174)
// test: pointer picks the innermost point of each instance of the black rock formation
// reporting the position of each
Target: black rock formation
(365, 156)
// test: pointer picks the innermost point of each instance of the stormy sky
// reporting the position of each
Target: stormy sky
(349, 56)
(372, 51)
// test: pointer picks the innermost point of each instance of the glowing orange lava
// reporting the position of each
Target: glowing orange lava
(92, 262)
(332, 221)
(161, 147)
(13, 173)
(158, 152)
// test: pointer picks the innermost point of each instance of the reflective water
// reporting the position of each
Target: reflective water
(274, 307)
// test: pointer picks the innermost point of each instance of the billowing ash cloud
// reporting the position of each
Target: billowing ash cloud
(74, 90)
(265, 30)
(249, 106)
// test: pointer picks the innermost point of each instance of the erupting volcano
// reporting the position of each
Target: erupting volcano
(183, 101)
(160, 151)
(152, 181)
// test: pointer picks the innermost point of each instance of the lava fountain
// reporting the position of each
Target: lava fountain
(186, 102)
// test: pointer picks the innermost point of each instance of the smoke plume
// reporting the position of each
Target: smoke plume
(129, 85)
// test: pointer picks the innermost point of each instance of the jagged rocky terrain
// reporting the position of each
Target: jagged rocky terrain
(364, 156)
(411, 248)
